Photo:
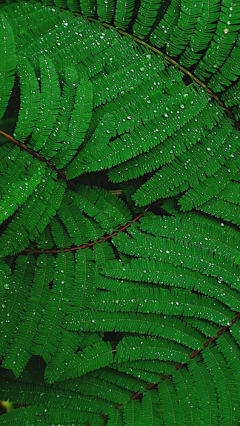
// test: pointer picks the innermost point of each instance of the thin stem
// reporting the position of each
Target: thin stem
(83, 246)
(172, 61)
(33, 153)
(180, 364)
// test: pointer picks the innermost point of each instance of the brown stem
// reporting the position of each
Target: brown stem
(180, 364)
(33, 153)
(83, 246)
(172, 61)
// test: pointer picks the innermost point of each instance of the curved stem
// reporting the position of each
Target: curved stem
(33, 153)
(172, 61)
(83, 246)
(180, 364)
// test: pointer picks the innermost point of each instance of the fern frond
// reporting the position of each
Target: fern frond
(204, 191)
(133, 348)
(230, 350)
(100, 136)
(30, 101)
(84, 284)
(147, 371)
(230, 193)
(88, 7)
(146, 17)
(99, 387)
(187, 396)
(115, 418)
(68, 345)
(161, 302)
(161, 154)
(100, 305)
(15, 296)
(103, 253)
(126, 381)
(172, 411)
(202, 33)
(45, 239)
(194, 231)
(132, 413)
(151, 409)
(78, 125)
(8, 63)
(49, 102)
(206, 391)
(48, 398)
(60, 130)
(190, 13)
(50, 329)
(74, 5)
(127, 146)
(150, 325)
(75, 223)
(235, 332)
(134, 273)
(231, 96)
(223, 40)
(123, 13)
(16, 193)
(105, 10)
(5, 276)
(32, 218)
(24, 416)
(165, 28)
(185, 169)
(105, 208)
(199, 259)
(170, 206)
(59, 235)
(40, 17)
(110, 87)
(227, 398)
(89, 359)
(224, 209)
(22, 339)
(228, 72)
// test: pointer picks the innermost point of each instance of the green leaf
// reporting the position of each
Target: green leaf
(20, 348)
(89, 359)
(49, 102)
(132, 413)
(8, 63)
(78, 125)
(50, 328)
(29, 101)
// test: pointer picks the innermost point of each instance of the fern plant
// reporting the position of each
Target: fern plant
(119, 212)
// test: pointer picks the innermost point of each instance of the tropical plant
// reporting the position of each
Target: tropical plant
(119, 212)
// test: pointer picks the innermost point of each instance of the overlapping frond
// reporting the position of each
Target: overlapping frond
(57, 281)
(200, 34)
(8, 63)
(109, 317)
(115, 120)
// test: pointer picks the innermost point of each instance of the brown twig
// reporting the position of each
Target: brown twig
(33, 153)
(180, 364)
(83, 246)
(173, 62)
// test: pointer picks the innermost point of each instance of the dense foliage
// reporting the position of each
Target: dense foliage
(119, 212)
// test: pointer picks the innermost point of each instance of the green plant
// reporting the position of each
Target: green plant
(115, 310)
